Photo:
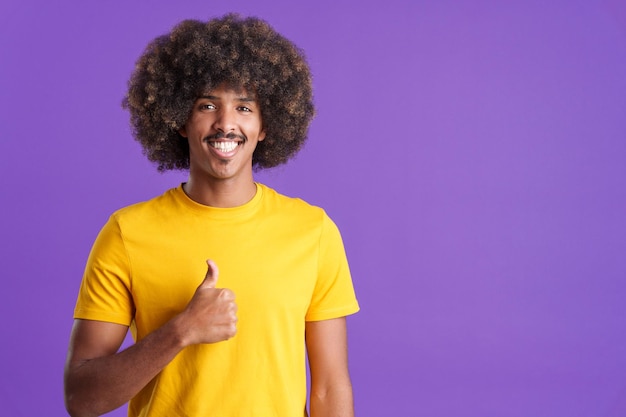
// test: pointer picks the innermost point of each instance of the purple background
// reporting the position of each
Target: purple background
(473, 154)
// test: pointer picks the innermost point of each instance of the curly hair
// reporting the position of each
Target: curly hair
(195, 57)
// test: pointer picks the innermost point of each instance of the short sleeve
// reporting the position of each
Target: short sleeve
(105, 291)
(333, 295)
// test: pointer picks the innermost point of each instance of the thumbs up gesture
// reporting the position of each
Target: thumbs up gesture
(210, 279)
(211, 315)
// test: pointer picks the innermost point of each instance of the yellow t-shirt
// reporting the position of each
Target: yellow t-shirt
(283, 259)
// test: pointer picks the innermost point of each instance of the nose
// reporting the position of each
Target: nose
(225, 121)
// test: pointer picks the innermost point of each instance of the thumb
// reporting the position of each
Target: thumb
(210, 280)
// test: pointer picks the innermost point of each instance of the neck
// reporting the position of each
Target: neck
(222, 194)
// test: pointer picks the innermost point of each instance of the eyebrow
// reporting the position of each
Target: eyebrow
(241, 98)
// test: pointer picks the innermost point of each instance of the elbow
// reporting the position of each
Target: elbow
(73, 407)
(76, 406)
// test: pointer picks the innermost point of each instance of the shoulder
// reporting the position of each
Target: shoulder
(298, 215)
(148, 210)
(291, 206)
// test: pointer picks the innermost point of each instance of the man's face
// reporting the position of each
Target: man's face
(223, 131)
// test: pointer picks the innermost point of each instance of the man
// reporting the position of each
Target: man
(223, 282)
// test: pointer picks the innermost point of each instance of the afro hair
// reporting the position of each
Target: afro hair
(195, 57)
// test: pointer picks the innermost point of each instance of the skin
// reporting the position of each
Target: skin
(99, 379)
(327, 350)
(222, 179)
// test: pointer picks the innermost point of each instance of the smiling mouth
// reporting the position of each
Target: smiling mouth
(225, 142)
(224, 146)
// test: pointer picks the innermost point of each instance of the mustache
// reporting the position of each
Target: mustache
(229, 135)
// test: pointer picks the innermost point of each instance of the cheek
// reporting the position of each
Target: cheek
(255, 127)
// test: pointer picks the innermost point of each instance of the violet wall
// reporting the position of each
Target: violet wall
(473, 153)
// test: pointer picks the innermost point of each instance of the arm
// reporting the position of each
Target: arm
(99, 379)
(327, 349)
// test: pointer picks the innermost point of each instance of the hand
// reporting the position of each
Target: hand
(211, 315)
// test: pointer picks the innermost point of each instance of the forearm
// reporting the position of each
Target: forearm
(331, 388)
(99, 379)
(97, 386)
(334, 401)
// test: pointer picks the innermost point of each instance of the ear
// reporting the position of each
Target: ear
(182, 131)
(261, 135)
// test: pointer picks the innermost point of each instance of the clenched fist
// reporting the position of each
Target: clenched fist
(211, 315)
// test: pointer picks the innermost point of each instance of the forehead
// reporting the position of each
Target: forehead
(226, 89)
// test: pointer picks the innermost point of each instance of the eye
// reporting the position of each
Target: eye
(207, 106)
(244, 109)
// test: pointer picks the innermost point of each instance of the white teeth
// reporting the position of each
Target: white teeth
(224, 146)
